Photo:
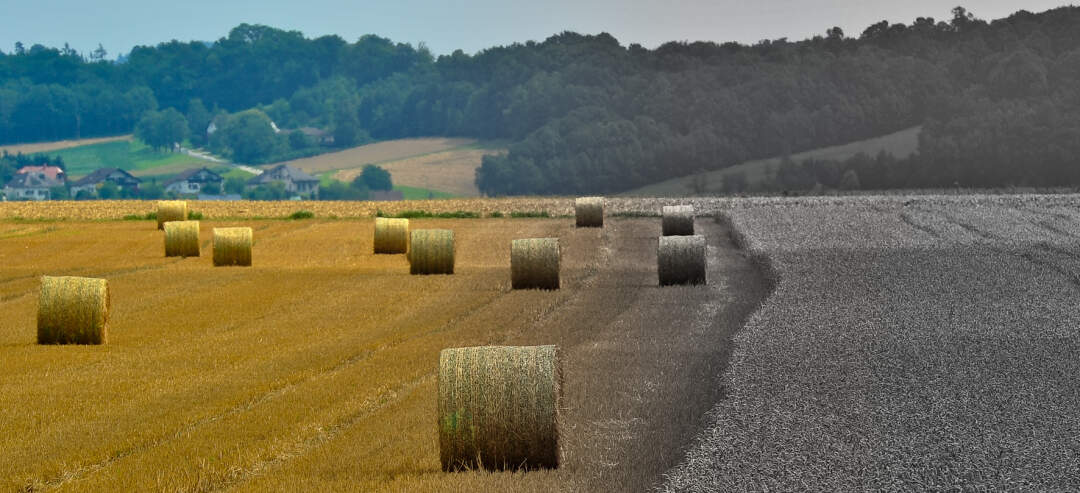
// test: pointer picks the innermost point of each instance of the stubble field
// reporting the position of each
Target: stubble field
(315, 369)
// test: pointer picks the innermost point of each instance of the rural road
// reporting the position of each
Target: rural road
(210, 157)
(909, 345)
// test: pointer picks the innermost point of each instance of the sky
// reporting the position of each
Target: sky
(446, 25)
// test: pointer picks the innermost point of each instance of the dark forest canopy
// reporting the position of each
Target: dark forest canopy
(1000, 101)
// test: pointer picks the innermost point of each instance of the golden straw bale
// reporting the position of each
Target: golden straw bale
(171, 210)
(681, 260)
(391, 235)
(73, 310)
(534, 263)
(589, 212)
(182, 239)
(678, 220)
(499, 407)
(431, 251)
(232, 246)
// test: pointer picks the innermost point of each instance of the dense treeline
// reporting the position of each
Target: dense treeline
(584, 114)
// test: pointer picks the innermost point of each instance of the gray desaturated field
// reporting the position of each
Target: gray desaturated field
(912, 343)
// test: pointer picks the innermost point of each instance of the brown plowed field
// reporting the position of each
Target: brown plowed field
(315, 369)
(452, 171)
(378, 152)
(57, 145)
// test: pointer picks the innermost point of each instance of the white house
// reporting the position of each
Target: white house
(30, 186)
(193, 181)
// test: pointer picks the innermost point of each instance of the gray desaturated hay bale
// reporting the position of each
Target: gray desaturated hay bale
(499, 407)
(589, 212)
(678, 220)
(681, 260)
(232, 246)
(534, 263)
(431, 251)
(391, 235)
(171, 210)
(182, 239)
(73, 310)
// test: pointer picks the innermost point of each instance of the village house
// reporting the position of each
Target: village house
(193, 181)
(30, 186)
(46, 171)
(92, 182)
(296, 182)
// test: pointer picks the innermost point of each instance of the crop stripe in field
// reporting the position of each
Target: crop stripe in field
(68, 272)
(324, 435)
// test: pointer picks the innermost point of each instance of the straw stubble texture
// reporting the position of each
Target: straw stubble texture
(232, 246)
(534, 263)
(391, 235)
(499, 407)
(182, 239)
(73, 310)
(431, 251)
(589, 212)
(678, 220)
(171, 210)
(681, 260)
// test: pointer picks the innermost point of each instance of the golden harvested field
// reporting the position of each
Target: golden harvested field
(378, 152)
(57, 145)
(452, 171)
(315, 369)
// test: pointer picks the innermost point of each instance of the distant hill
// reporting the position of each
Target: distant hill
(901, 145)
(998, 101)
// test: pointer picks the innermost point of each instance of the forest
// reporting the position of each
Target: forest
(999, 101)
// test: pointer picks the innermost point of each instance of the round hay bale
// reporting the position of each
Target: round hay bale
(391, 235)
(589, 212)
(431, 251)
(73, 310)
(678, 220)
(534, 263)
(681, 260)
(182, 239)
(232, 246)
(171, 210)
(499, 407)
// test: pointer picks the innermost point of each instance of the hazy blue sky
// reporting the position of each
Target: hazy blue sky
(472, 25)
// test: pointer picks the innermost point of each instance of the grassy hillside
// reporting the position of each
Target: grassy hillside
(900, 144)
(130, 155)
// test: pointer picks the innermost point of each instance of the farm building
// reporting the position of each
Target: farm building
(296, 182)
(46, 171)
(30, 186)
(92, 182)
(317, 135)
(193, 181)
